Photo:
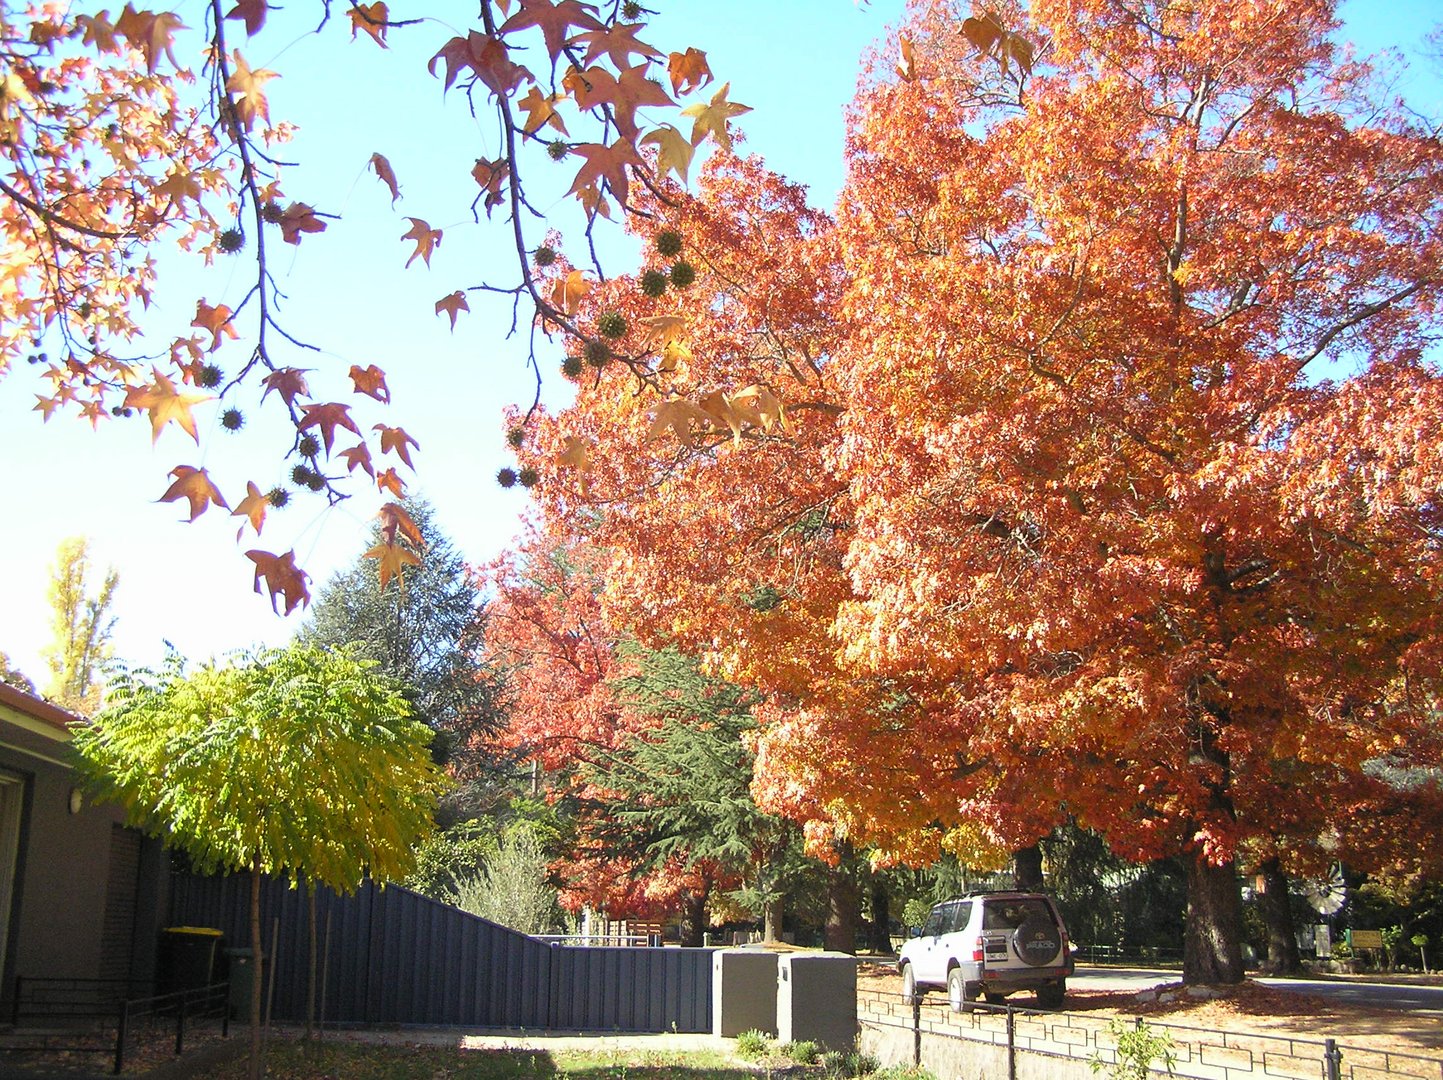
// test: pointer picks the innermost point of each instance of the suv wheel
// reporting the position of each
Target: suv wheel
(958, 994)
(909, 985)
(1051, 995)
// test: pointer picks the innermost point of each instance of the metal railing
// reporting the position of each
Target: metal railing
(77, 1015)
(1204, 1054)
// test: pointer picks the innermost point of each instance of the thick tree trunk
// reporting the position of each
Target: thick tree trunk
(1027, 869)
(693, 920)
(844, 909)
(1212, 944)
(1283, 955)
(255, 1069)
(772, 920)
(881, 931)
(311, 959)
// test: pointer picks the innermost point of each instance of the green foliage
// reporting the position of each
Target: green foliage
(915, 911)
(681, 790)
(753, 1045)
(1138, 1046)
(903, 1072)
(512, 888)
(449, 856)
(81, 627)
(299, 761)
(803, 1052)
(422, 632)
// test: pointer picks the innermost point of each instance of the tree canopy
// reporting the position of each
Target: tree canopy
(296, 761)
(1086, 462)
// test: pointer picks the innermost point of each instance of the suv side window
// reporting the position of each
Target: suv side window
(933, 926)
(1010, 914)
(961, 913)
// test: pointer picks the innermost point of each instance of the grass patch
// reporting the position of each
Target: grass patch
(367, 1061)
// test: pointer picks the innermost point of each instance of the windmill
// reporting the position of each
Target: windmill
(1327, 895)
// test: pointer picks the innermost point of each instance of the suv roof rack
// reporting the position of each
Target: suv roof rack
(1002, 892)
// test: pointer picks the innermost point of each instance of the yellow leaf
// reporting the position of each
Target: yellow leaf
(673, 152)
(711, 118)
(165, 404)
(249, 102)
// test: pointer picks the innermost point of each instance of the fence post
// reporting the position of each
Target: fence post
(180, 1023)
(917, 1030)
(1011, 1043)
(1332, 1059)
(120, 1026)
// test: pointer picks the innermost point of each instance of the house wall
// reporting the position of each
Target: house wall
(62, 872)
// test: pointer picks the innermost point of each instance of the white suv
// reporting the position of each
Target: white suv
(988, 945)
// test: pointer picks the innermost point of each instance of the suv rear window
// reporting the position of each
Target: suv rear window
(1010, 914)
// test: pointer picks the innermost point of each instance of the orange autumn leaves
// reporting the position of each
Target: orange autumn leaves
(154, 151)
(1061, 519)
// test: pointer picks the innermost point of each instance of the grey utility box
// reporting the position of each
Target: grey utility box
(817, 999)
(744, 992)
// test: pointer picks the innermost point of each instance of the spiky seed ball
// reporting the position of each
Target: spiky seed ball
(545, 255)
(278, 497)
(209, 376)
(231, 241)
(515, 437)
(528, 477)
(597, 354)
(653, 283)
(301, 476)
(232, 420)
(683, 274)
(571, 367)
(668, 243)
(631, 11)
(83, 309)
(612, 324)
(309, 446)
(506, 478)
(558, 149)
(116, 410)
(317, 482)
(272, 213)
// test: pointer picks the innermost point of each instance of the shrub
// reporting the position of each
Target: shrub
(803, 1053)
(753, 1045)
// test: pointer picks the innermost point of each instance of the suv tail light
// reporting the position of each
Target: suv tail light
(979, 954)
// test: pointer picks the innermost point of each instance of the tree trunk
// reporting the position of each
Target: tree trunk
(1212, 944)
(1027, 868)
(1277, 908)
(844, 908)
(254, 1068)
(311, 959)
(881, 928)
(693, 920)
(772, 920)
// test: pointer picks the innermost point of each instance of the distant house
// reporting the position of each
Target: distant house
(81, 895)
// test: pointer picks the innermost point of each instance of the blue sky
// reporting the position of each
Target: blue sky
(795, 61)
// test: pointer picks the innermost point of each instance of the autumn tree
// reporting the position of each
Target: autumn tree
(81, 627)
(298, 761)
(128, 139)
(1089, 459)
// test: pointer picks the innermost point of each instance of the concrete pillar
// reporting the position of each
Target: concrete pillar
(817, 999)
(744, 992)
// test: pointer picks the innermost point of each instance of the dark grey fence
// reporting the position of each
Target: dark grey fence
(392, 956)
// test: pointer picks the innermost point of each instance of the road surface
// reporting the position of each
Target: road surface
(1427, 1000)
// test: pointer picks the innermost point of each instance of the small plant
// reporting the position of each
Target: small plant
(803, 1053)
(753, 1045)
(1138, 1046)
(903, 1072)
(1420, 942)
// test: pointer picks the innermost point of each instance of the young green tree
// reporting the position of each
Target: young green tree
(299, 761)
(81, 627)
